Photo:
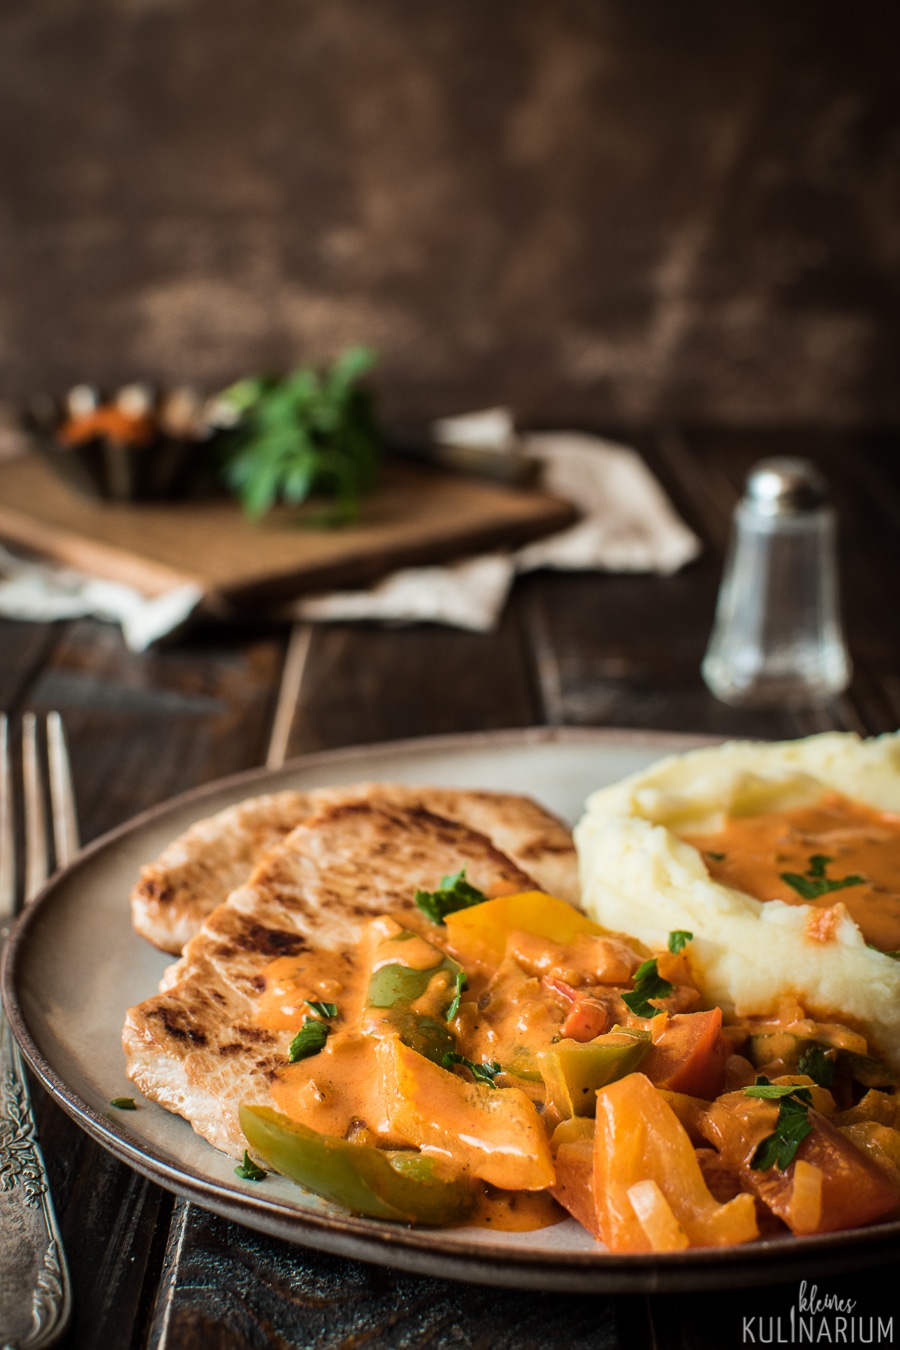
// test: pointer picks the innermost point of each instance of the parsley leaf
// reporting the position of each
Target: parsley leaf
(679, 939)
(716, 857)
(322, 1009)
(815, 1063)
(815, 883)
(648, 983)
(461, 984)
(249, 1171)
(454, 893)
(310, 1039)
(775, 1091)
(779, 1148)
(124, 1103)
(482, 1073)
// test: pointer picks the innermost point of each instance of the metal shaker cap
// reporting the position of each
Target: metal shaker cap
(785, 486)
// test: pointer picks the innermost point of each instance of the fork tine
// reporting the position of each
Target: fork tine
(35, 819)
(7, 837)
(62, 795)
(39, 1296)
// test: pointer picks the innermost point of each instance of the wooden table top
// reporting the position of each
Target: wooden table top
(578, 650)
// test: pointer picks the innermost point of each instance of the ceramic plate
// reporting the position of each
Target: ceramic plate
(74, 965)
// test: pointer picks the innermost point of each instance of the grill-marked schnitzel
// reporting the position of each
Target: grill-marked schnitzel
(199, 870)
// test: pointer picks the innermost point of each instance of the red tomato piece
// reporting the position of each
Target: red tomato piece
(586, 1020)
(690, 1055)
(587, 1017)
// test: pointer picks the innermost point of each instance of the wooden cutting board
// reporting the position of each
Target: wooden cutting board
(419, 514)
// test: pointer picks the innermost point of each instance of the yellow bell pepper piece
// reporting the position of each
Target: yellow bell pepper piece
(479, 934)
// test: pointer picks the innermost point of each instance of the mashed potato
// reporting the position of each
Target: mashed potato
(640, 877)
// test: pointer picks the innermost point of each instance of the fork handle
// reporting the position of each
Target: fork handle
(35, 1298)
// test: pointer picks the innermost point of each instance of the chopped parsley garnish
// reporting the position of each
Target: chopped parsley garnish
(482, 1073)
(773, 1091)
(648, 983)
(310, 1039)
(895, 956)
(779, 1148)
(815, 883)
(679, 939)
(322, 1009)
(124, 1103)
(816, 1064)
(454, 893)
(249, 1171)
(716, 857)
(461, 984)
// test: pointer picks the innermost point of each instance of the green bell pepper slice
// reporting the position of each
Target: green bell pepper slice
(395, 986)
(574, 1070)
(403, 1186)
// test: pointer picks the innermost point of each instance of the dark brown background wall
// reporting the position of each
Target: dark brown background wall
(599, 210)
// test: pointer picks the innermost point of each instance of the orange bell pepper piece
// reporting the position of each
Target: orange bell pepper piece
(493, 1133)
(639, 1138)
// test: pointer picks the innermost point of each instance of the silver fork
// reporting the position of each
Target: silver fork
(35, 1297)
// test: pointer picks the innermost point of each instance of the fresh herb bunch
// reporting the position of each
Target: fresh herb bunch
(306, 433)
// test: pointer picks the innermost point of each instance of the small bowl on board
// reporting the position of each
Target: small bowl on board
(140, 444)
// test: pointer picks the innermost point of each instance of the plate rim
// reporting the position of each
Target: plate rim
(422, 1251)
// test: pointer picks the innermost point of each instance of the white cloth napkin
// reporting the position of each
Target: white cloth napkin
(627, 524)
(41, 592)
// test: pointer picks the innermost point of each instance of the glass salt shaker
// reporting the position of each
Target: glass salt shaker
(777, 639)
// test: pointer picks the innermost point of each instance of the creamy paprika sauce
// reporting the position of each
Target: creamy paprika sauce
(834, 851)
(516, 1211)
(338, 1092)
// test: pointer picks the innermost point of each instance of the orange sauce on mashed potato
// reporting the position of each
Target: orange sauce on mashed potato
(754, 854)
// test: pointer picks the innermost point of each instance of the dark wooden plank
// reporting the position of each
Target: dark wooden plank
(626, 651)
(24, 648)
(226, 1288)
(142, 727)
(364, 683)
